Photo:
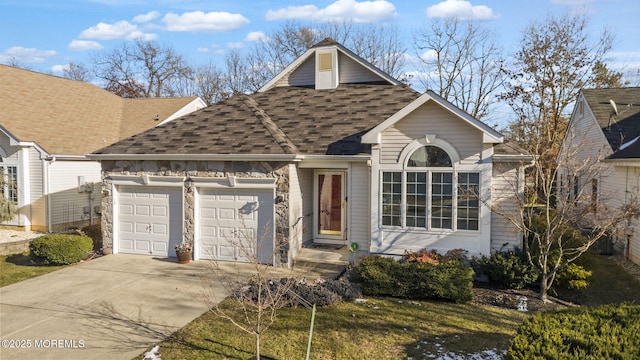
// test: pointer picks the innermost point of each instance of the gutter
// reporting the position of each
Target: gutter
(198, 157)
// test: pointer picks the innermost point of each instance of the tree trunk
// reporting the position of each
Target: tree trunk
(257, 346)
(544, 278)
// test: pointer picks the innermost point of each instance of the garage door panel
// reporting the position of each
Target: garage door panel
(150, 221)
(229, 222)
(142, 210)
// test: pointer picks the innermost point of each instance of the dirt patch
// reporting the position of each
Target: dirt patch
(488, 295)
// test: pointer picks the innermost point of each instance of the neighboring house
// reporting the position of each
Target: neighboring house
(330, 151)
(47, 125)
(605, 128)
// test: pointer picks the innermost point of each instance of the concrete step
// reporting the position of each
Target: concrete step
(14, 247)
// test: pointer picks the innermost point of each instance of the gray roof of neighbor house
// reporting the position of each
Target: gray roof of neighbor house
(281, 120)
(68, 117)
(618, 128)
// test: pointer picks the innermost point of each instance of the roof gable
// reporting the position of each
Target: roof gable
(313, 68)
(618, 124)
(67, 117)
(489, 135)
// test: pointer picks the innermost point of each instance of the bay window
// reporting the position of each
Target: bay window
(9, 182)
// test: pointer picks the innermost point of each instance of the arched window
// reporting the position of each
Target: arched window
(430, 193)
(429, 156)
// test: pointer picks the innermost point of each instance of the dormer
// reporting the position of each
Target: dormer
(326, 65)
(327, 68)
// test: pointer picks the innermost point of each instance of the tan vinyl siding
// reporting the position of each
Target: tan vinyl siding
(67, 202)
(431, 119)
(504, 189)
(352, 72)
(38, 200)
(305, 177)
(360, 209)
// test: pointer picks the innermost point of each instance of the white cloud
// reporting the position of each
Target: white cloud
(198, 21)
(341, 10)
(235, 45)
(84, 45)
(143, 18)
(119, 30)
(572, 2)
(58, 69)
(202, 50)
(460, 9)
(26, 55)
(256, 36)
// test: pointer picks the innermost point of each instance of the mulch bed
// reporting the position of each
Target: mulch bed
(485, 294)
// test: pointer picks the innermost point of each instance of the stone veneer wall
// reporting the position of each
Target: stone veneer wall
(189, 169)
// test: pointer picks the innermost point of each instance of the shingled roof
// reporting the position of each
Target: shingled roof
(621, 127)
(281, 120)
(67, 117)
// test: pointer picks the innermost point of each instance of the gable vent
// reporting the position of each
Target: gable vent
(326, 62)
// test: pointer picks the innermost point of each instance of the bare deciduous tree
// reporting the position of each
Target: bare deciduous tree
(554, 62)
(256, 294)
(567, 211)
(462, 62)
(144, 70)
(77, 71)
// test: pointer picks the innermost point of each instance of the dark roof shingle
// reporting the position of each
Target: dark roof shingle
(282, 120)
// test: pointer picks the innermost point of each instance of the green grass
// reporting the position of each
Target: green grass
(385, 328)
(18, 267)
(610, 283)
(378, 329)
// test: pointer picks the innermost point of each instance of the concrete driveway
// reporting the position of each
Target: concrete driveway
(113, 307)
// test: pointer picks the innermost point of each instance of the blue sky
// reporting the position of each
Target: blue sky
(45, 35)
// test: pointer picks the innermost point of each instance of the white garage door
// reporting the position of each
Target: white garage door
(235, 224)
(149, 220)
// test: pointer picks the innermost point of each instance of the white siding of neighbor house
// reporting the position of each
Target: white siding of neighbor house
(359, 205)
(38, 200)
(353, 72)
(296, 229)
(67, 201)
(13, 160)
(431, 119)
(617, 189)
(505, 188)
(585, 138)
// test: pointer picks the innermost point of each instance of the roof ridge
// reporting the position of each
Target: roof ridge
(279, 136)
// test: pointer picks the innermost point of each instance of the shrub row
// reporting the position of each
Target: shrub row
(294, 293)
(60, 249)
(383, 276)
(606, 332)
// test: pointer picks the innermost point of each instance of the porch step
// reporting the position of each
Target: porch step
(321, 262)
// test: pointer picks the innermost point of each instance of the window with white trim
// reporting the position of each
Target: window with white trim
(429, 194)
(9, 182)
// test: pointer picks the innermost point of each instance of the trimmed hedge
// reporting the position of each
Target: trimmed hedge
(383, 276)
(605, 332)
(60, 249)
(509, 270)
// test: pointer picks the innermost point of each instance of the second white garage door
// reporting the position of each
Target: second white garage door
(234, 224)
(149, 220)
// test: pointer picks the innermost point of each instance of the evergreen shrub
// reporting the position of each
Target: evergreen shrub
(605, 332)
(384, 276)
(60, 249)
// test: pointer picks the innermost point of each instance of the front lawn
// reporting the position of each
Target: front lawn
(381, 328)
(18, 267)
(386, 328)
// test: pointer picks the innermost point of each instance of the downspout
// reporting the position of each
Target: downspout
(48, 192)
